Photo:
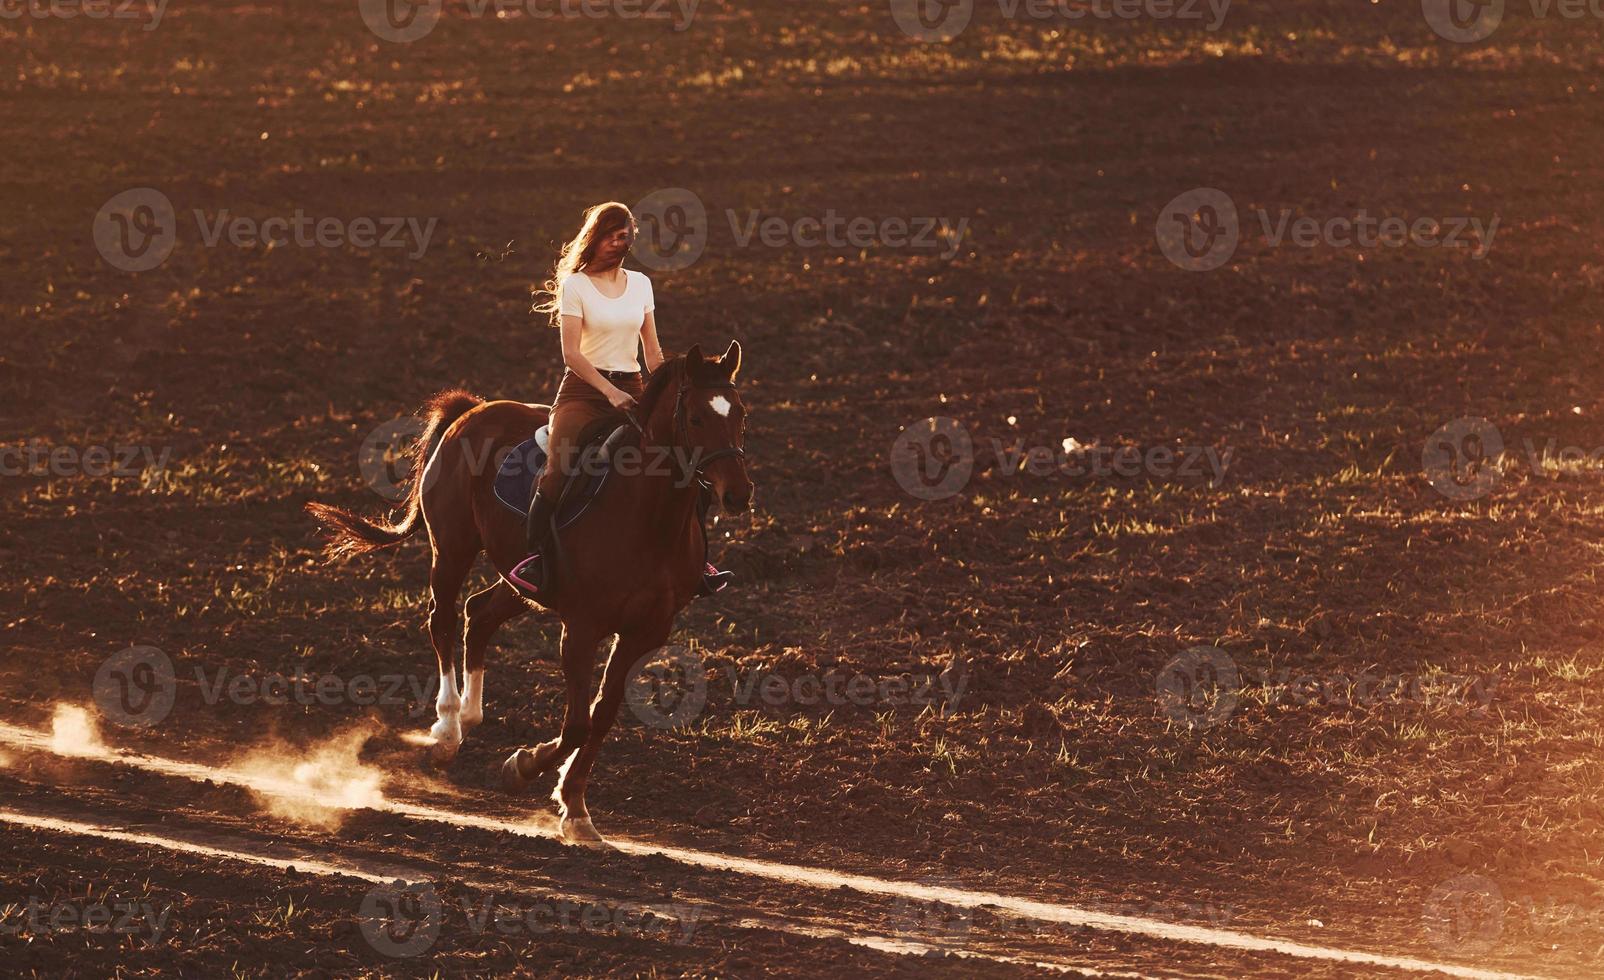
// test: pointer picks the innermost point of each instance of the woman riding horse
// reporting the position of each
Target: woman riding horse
(630, 565)
(603, 311)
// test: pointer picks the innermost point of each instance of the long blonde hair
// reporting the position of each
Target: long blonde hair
(600, 221)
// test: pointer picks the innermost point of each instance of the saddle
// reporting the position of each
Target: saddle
(521, 468)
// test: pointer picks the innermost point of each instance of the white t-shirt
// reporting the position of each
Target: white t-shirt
(612, 326)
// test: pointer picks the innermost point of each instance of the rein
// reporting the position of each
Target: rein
(695, 471)
(679, 425)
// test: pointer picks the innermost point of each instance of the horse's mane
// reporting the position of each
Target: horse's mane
(661, 380)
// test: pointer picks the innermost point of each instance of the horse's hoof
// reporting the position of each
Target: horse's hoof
(512, 778)
(442, 753)
(582, 832)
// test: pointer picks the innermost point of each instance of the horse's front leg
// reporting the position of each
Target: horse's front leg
(578, 660)
(632, 648)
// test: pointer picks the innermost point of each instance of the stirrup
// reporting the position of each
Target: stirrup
(714, 580)
(529, 577)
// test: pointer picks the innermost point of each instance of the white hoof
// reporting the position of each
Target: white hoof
(447, 735)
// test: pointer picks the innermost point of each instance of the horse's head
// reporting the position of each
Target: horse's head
(711, 422)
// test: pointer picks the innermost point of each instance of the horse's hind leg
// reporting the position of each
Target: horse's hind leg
(486, 610)
(632, 648)
(446, 576)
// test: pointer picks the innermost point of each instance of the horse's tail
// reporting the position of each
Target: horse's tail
(353, 534)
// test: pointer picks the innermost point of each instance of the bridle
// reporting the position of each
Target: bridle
(702, 462)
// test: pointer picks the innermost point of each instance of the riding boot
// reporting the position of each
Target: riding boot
(534, 575)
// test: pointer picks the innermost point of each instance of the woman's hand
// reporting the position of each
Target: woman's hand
(620, 399)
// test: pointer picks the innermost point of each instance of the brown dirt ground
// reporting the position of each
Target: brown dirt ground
(1324, 552)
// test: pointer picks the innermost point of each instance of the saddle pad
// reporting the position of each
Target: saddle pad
(515, 479)
(520, 470)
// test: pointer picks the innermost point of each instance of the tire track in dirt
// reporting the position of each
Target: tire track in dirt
(794, 876)
(232, 850)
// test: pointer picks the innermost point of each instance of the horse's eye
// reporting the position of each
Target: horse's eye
(696, 420)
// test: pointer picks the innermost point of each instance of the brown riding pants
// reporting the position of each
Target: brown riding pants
(578, 407)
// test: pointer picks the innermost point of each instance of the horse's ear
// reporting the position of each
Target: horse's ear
(731, 359)
(693, 357)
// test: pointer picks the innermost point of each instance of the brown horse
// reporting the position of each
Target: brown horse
(634, 558)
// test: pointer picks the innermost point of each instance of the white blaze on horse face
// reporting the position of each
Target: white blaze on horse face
(721, 405)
